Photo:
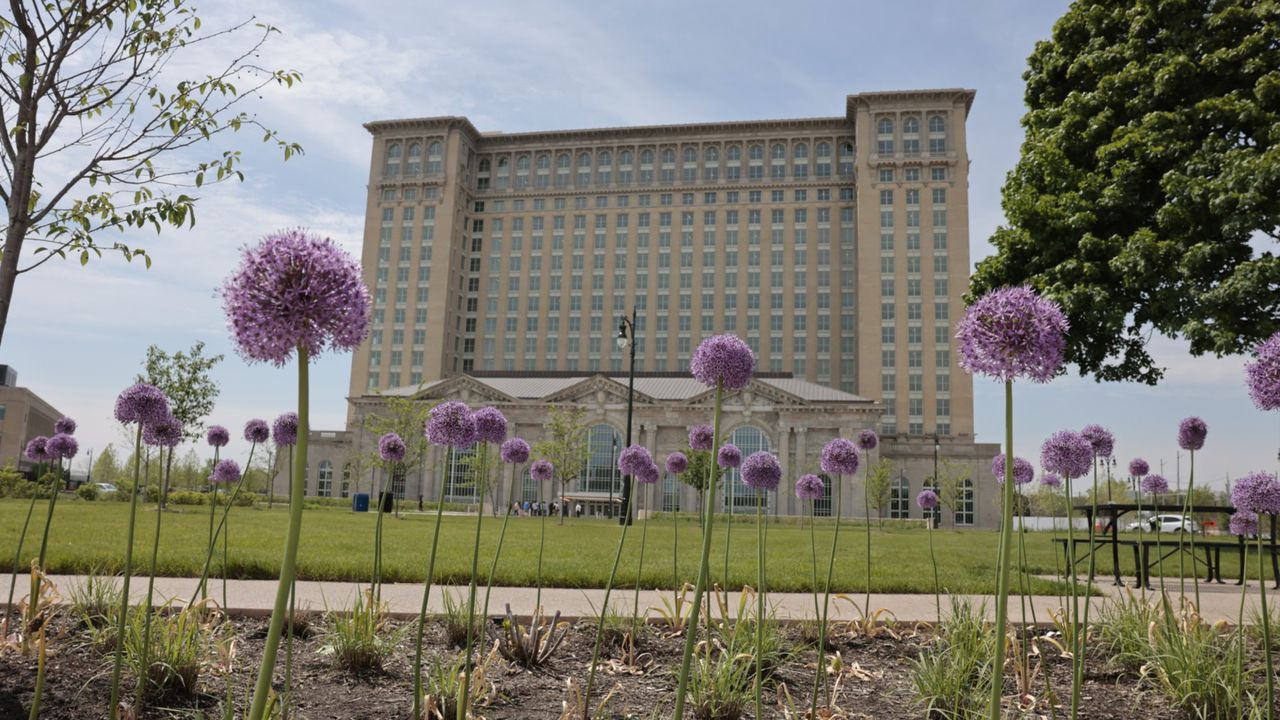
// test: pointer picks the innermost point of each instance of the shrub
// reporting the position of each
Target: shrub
(180, 644)
(442, 685)
(1122, 631)
(96, 599)
(952, 678)
(1195, 665)
(188, 497)
(246, 499)
(455, 621)
(87, 491)
(360, 639)
(720, 686)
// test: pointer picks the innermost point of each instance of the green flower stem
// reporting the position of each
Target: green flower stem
(471, 604)
(937, 599)
(1244, 591)
(208, 558)
(377, 541)
(820, 680)
(760, 591)
(289, 565)
(675, 562)
(644, 533)
(731, 511)
(502, 534)
(40, 663)
(604, 609)
(54, 491)
(1006, 552)
(1082, 631)
(542, 543)
(123, 619)
(1266, 625)
(1188, 511)
(426, 593)
(213, 506)
(140, 691)
(287, 697)
(17, 556)
(1159, 556)
(866, 514)
(691, 633)
(1077, 660)
(813, 551)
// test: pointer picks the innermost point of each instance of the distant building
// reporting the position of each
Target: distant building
(23, 415)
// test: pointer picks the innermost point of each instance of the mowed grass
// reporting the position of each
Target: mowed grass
(338, 545)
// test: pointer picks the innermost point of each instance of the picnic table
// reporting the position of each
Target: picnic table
(1112, 512)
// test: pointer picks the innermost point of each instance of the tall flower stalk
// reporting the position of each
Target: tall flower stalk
(647, 479)
(928, 502)
(513, 452)
(217, 436)
(256, 431)
(1138, 469)
(1007, 334)
(61, 446)
(1262, 378)
(1259, 493)
(1191, 435)
(37, 452)
(166, 434)
(392, 450)
(810, 487)
(284, 432)
(728, 457)
(1157, 486)
(725, 363)
(839, 457)
(293, 292)
(761, 472)
(867, 441)
(677, 464)
(1102, 443)
(541, 471)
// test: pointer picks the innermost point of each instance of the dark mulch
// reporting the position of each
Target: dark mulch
(877, 686)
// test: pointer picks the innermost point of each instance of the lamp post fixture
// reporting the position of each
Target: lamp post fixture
(627, 338)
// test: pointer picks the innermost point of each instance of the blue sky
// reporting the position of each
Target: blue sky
(77, 336)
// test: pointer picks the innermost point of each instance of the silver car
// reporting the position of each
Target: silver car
(1166, 523)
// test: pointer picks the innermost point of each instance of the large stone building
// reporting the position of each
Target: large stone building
(23, 415)
(837, 247)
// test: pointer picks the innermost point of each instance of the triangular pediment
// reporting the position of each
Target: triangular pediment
(755, 389)
(589, 389)
(463, 387)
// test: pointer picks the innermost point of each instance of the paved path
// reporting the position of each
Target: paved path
(255, 597)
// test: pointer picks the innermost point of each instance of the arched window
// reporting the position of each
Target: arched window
(522, 163)
(584, 160)
(324, 479)
(711, 154)
(910, 126)
(606, 158)
(391, 167)
(824, 150)
(563, 161)
(884, 126)
(899, 498)
(601, 471)
(624, 157)
(937, 124)
(690, 155)
(460, 485)
(485, 164)
(544, 162)
(646, 157)
(502, 165)
(415, 160)
(800, 150)
(778, 152)
(822, 505)
(756, 152)
(734, 153)
(668, 156)
(846, 151)
(964, 503)
(670, 493)
(738, 496)
(435, 158)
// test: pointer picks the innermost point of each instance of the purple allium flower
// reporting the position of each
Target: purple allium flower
(810, 487)
(868, 440)
(1243, 523)
(452, 425)
(677, 462)
(1155, 484)
(63, 446)
(1050, 480)
(491, 425)
(65, 425)
(1191, 433)
(218, 436)
(1262, 375)
(257, 431)
(701, 437)
(762, 471)
(514, 451)
(284, 430)
(293, 290)
(840, 457)
(729, 456)
(927, 499)
(723, 358)
(541, 470)
(225, 472)
(165, 433)
(633, 459)
(142, 403)
(1138, 467)
(1011, 333)
(1023, 472)
(1100, 439)
(391, 448)
(649, 474)
(37, 449)
(1257, 492)
(1067, 453)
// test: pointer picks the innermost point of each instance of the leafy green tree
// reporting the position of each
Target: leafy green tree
(1149, 171)
(404, 416)
(185, 379)
(879, 477)
(565, 445)
(950, 483)
(98, 125)
(105, 468)
(700, 463)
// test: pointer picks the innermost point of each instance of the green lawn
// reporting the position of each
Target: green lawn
(338, 545)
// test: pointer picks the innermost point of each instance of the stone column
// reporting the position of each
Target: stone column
(786, 499)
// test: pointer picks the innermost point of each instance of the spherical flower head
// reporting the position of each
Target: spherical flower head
(37, 449)
(840, 457)
(723, 358)
(295, 290)
(1257, 492)
(165, 433)
(927, 500)
(762, 471)
(729, 456)
(257, 431)
(810, 487)
(1262, 375)
(491, 425)
(284, 430)
(1023, 472)
(541, 470)
(1011, 333)
(65, 425)
(1155, 484)
(1050, 480)
(1100, 439)
(225, 472)
(1067, 453)
(515, 451)
(142, 403)
(633, 459)
(1138, 467)
(1243, 523)
(391, 448)
(649, 474)
(867, 440)
(218, 436)
(451, 424)
(1191, 433)
(701, 437)
(62, 447)
(677, 462)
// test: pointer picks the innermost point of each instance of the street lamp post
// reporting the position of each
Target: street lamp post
(626, 339)
(613, 471)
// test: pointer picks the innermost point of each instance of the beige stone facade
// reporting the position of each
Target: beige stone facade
(23, 415)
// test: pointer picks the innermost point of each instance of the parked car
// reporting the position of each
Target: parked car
(106, 487)
(1166, 523)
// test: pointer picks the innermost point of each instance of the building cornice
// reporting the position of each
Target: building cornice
(895, 99)
(656, 134)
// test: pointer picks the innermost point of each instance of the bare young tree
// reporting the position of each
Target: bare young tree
(95, 127)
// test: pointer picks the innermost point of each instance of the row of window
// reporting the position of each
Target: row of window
(710, 197)
(412, 159)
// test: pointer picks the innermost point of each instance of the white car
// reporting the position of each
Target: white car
(1166, 523)
(106, 487)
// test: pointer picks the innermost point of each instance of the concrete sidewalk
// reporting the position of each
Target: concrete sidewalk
(256, 597)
